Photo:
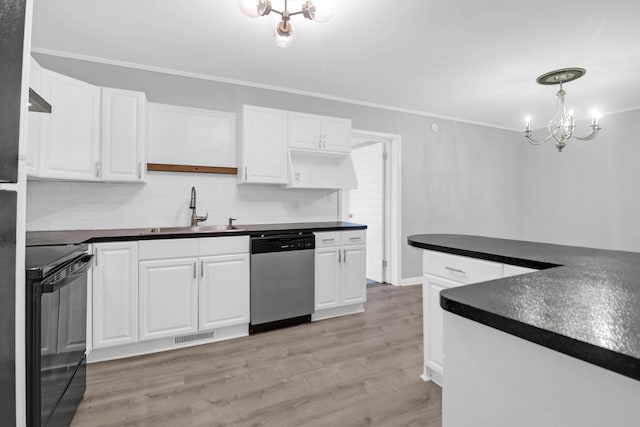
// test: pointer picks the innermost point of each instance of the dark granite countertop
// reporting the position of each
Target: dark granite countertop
(584, 302)
(65, 237)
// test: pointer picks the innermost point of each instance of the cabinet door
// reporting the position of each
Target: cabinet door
(305, 131)
(264, 146)
(336, 134)
(327, 277)
(70, 141)
(115, 294)
(168, 304)
(354, 272)
(123, 135)
(433, 315)
(435, 326)
(224, 291)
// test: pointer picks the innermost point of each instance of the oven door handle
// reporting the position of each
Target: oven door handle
(85, 263)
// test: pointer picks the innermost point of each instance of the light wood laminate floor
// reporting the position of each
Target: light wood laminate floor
(355, 370)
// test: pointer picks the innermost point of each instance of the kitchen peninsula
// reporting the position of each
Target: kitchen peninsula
(558, 346)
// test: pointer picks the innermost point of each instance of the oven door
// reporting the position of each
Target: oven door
(62, 344)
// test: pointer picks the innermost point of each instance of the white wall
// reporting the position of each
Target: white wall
(588, 195)
(461, 179)
(366, 203)
(164, 202)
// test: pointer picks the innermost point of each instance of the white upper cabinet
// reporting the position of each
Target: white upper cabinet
(314, 132)
(305, 131)
(70, 136)
(92, 133)
(123, 135)
(191, 136)
(264, 146)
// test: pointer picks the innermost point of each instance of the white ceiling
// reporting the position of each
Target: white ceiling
(475, 60)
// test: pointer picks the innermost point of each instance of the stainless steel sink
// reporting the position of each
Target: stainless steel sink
(198, 229)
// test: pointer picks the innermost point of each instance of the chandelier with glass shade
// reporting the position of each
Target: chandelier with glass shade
(562, 124)
(284, 34)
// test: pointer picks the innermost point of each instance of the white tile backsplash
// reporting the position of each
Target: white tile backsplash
(164, 202)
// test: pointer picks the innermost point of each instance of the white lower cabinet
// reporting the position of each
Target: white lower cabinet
(168, 297)
(147, 293)
(224, 291)
(443, 271)
(432, 326)
(340, 274)
(354, 272)
(327, 277)
(115, 294)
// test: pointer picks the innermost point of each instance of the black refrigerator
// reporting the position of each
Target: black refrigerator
(12, 17)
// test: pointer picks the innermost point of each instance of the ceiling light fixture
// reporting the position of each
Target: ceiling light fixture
(562, 125)
(315, 10)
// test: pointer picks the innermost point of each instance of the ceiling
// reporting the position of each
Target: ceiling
(466, 59)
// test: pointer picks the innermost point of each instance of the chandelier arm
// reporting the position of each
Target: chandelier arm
(534, 142)
(296, 13)
(594, 132)
(276, 11)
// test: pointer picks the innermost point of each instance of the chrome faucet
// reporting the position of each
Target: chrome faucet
(195, 219)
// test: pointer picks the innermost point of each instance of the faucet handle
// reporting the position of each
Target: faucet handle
(231, 222)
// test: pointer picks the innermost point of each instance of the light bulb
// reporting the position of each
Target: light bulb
(249, 7)
(323, 10)
(282, 38)
(571, 112)
(596, 116)
(255, 8)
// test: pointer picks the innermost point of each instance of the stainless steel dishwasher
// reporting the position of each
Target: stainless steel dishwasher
(282, 280)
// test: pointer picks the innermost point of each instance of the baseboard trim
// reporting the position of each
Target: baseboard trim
(410, 281)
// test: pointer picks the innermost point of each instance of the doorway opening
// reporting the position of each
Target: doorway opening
(376, 159)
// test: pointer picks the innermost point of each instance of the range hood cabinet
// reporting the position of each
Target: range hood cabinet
(314, 169)
(37, 103)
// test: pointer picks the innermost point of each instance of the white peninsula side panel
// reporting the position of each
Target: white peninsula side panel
(495, 379)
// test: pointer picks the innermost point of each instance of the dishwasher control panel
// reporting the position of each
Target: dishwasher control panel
(282, 243)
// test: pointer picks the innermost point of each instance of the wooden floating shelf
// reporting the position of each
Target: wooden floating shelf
(191, 168)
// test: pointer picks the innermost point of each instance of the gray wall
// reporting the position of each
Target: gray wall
(462, 179)
(589, 194)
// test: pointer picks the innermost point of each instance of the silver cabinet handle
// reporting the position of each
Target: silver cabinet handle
(345, 255)
(97, 169)
(195, 267)
(95, 259)
(245, 173)
(201, 268)
(139, 170)
(339, 256)
(354, 238)
(328, 240)
(455, 270)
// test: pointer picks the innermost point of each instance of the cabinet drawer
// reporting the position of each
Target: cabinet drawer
(461, 269)
(168, 248)
(223, 245)
(327, 238)
(355, 237)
